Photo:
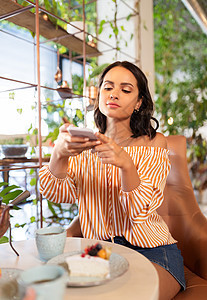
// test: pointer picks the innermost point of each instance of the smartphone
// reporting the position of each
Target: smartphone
(82, 132)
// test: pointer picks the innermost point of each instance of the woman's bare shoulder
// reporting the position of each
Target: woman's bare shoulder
(159, 141)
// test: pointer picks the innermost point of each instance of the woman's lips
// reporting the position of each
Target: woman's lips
(112, 104)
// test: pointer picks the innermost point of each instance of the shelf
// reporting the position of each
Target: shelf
(47, 29)
(10, 161)
(15, 164)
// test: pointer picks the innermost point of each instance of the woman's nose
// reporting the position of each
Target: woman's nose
(114, 96)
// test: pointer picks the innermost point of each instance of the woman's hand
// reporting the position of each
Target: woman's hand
(111, 153)
(67, 145)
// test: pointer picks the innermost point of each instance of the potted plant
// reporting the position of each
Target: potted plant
(13, 148)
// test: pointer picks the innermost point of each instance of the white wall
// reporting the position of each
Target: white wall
(146, 41)
(139, 49)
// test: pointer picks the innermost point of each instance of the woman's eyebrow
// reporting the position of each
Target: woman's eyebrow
(123, 83)
(108, 81)
(127, 83)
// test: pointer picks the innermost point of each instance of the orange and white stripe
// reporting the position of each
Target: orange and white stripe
(105, 210)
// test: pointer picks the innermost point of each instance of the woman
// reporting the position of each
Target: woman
(119, 179)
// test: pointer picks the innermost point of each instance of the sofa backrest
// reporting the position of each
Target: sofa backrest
(181, 211)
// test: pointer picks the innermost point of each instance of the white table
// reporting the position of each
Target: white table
(140, 281)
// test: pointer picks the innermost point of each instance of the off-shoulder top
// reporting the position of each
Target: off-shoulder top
(105, 210)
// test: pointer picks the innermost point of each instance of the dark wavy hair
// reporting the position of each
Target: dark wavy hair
(140, 121)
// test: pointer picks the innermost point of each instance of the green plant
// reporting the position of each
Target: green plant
(180, 67)
(7, 194)
(77, 84)
(116, 30)
(95, 71)
(63, 111)
(15, 141)
(59, 214)
(61, 9)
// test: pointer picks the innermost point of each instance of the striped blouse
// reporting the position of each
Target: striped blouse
(105, 210)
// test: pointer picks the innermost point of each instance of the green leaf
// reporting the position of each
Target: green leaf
(49, 108)
(34, 201)
(30, 128)
(32, 33)
(31, 171)
(101, 26)
(3, 184)
(11, 95)
(50, 206)
(8, 189)
(32, 219)
(33, 182)
(79, 114)
(98, 70)
(35, 131)
(4, 239)
(128, 17)
(116, 31)
(61, 113)
(19, 110)
(11, 196)
(122, 28)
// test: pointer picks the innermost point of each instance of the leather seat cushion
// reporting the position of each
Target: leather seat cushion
(196, 287)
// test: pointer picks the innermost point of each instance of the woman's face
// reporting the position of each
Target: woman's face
(119, 94)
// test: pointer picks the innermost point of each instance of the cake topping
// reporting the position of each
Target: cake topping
(97, 250)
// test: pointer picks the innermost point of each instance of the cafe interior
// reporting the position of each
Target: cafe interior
(52, 54)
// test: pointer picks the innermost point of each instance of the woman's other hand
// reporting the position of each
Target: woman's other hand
(111, 153)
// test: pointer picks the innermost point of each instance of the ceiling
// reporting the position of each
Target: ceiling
(198, 9)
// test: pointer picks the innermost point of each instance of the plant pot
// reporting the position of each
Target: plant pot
(11, 151)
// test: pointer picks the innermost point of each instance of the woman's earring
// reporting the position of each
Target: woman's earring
(136, 110)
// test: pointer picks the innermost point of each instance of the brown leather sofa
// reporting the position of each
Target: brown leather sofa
(186, 222)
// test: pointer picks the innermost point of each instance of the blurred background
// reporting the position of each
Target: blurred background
(49, 73)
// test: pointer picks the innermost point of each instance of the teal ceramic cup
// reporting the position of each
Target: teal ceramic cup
(50, 242)
(47, 281)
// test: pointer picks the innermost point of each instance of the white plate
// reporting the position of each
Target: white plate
(118, 265)
(8, 283)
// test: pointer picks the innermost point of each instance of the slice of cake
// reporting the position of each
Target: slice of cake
(93, 262)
